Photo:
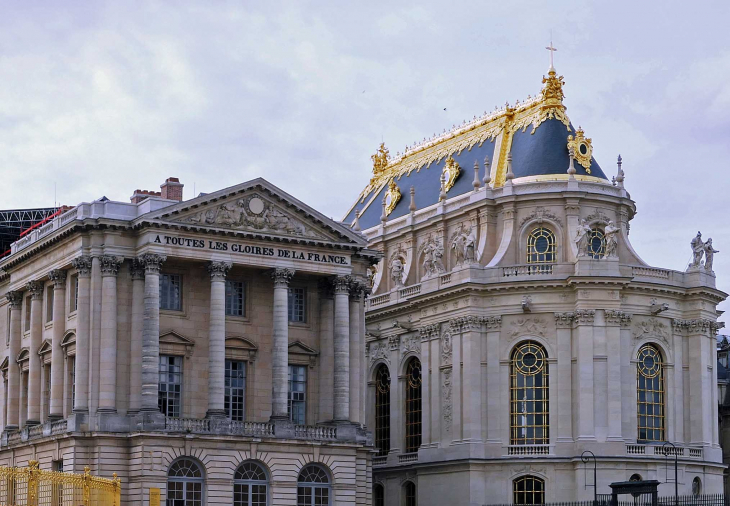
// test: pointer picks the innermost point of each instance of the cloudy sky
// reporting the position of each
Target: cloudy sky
(102, 98)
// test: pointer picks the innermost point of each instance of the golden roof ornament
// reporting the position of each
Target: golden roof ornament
(391, 197)
(582, 147)
(380, 159)
(451, 173)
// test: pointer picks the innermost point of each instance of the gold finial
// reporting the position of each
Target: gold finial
(552, 89)
(380, 159)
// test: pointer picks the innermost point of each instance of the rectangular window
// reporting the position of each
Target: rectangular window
(57, 465)
(7, 331)
(171, 292)
(297, 394)
(47, 392)
(297, 309)
(169, 393)
(27, 314)
(49, 304)
(235, 298)
(73, 383)
(74, 300)
(235, 397)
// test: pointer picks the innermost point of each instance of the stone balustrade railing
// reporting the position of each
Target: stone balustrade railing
(410, 290)
(405, 458)
(664, 451)
(315, 432)
(527, 270)
(525, 450)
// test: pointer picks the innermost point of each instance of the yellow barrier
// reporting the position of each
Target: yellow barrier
(29, 486)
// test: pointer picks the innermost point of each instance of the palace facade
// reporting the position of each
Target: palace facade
(209, 351)
(513, 329)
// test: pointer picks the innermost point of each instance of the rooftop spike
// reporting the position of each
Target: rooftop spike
(442, 194)
(510, 175)
(412, 205)
(620, 174)
(571, 166)
(476, 183)
(487, 174)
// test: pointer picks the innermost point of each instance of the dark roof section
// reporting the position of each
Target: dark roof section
(545, 152)
(14, 221)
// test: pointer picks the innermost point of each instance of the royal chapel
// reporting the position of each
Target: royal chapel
(208, 351)
(514, 337)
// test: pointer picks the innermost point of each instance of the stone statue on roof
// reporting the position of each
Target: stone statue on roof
(611, 238)
(698, 249)
(709, 254)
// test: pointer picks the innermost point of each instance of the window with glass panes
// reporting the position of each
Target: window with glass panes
(297, 394)
(169, 393)
(185, 484)
(529, 399)
(47, 391)
(250, 485)
(313, 487)
(413, 405)
(297, 308)
(235, 298)
(171, 292)
(541, 246)
(650, 395)
(27, 314)
(528, 490)
(235, 396)
(74, 292)
(409, 492)
(73, 383)
(382, 410)
(49, 304)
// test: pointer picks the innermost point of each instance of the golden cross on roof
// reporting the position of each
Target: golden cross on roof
(552, 50)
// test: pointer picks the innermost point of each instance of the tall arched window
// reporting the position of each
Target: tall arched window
(185, 483)
(413, 405)
(250, 485)
(650, 394)
(529, 399)
(382, 410)
(409, 493)
(313, 487)
(378, 495)
(541, 246)
(596, 246)
(528, 490)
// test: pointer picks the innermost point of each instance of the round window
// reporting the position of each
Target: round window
(583, 149)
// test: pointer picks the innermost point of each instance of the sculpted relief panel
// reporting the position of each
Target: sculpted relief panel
(254, 213)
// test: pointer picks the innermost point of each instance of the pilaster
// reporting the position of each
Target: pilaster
(564, 326)
(614, 320)
(495, 408)
(583, 324)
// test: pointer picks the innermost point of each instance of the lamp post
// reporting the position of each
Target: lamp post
(665, 450)
(585, 457)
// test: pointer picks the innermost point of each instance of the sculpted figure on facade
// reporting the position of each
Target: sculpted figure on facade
(581, 238)
(463, 244)
(709, 254)
(611, 236)
(698, 249)
(396, 272)
(433, 253)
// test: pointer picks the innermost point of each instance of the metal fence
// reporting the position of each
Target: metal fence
(29, 486)
(646, 500)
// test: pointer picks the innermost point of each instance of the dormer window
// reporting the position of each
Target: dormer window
(541, 246)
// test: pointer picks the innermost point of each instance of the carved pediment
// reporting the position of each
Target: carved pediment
(4, 365)
(45, 347)
(172, 342)
(240, 348)
(303, 353)
(252, 212)
(69, 338)
(23, 355)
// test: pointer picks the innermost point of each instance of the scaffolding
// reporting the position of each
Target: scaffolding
(14, 222)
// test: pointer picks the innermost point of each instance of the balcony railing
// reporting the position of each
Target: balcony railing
(664, 451)
(316, 432)
(527, 450)
(405, 458)
(380, 461)
(527, 270)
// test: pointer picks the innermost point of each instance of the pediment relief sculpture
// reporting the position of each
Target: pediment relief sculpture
(254, 213)
(652, 327)
(432, 250)
(533, 326)
(541, 214)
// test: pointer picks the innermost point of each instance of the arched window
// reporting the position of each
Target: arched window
(382, 410)
(413, 405)
(528, 490)
(378, 495)
(250, 485)
(529, 399)
(185, 483)
(596, 247)
(541, 246)
(313, 487)
(650, 394)
(409, 492)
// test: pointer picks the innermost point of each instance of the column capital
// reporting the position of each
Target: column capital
(58, 277)
(697, 326)
(357, 289)
(83, 265)
(282, 277)
(110, 265)
(152, 262)
(341, 284)
(564, 319)
(614, 317)
(36, 289)
(15, 299)
(584, 316)
(136, 269)
(219, 270)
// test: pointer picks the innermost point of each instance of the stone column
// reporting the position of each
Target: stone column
(496, 415)
(700, 346)
(614, 403)
(34, 364)
(13, 401)
(326, 354)
(342, 349)
(108, 349)
(150, 331)
(81, 379)
(58, 277)
(136, 272)
(280, 331)
(471, 342)
(356, 379)
(217, 339)
(425, 334)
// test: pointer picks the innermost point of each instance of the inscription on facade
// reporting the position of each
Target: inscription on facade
(249, 249)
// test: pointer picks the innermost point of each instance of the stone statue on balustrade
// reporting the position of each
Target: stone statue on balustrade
(700, 249)
(709, 254)
(581, 237)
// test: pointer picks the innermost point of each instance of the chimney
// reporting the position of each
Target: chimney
(172, 189)
(139, 195)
